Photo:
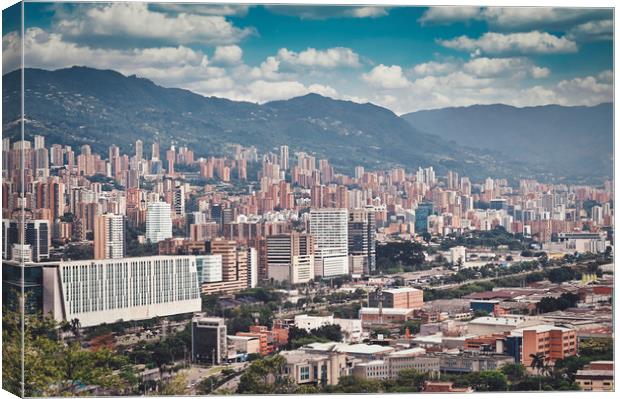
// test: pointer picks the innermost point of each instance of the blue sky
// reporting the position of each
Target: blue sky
(403, 58)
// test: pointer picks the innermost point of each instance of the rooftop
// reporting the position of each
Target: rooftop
(362, 349)
(400, 290)
(387, 311)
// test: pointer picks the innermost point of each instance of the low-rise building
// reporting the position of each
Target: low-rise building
(402, 298)
(304, 367)
(596, 376)
(385, 315)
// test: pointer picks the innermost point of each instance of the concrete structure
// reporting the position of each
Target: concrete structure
(359, 351)
(458, 256)
(469, 362)
(109, 236)
(490, 325)
(385, 315)
(158, 221)
(243, 344)
(400, 298)
(111, 290)
(329, 227)
(290, 257)
(314, 368)
(209, 341)
(554, 342)
(351, 328)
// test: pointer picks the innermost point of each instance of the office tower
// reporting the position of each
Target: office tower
(209, 268)
(284, 157)
(109, 236)
(37, 239)
(290, 257)
(422, 212)
(158, 221)
(209, 342)
(362, 237)
(330, 230)
(139, 149)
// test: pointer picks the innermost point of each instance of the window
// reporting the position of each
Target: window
(304, 373)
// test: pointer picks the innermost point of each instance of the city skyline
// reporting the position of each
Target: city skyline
(450, 56)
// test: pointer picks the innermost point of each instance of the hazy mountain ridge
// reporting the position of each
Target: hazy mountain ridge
(83, 105)
(577, 139)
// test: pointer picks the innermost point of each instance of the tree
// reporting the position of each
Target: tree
(538, 363)
(514, 371)
(412, 379)
(176, 385)
(266, 376)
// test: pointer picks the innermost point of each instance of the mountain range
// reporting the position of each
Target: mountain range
(81, 105)
(578, 140)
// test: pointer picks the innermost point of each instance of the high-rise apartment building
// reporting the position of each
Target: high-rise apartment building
(139, 150)
(362, 237)
(158, 221)
(329, 226)
(109, 236)
(284, 157)
(290, 257)
(234, 267)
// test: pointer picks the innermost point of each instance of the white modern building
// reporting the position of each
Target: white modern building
(111, 290)
(209, 268)
(252, 267)
(330, 230)
(351, 328)
(158, 221)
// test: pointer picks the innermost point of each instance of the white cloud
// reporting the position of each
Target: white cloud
(386, 77)
(434, 68)
(323, 12)
(135, 20)
(606, 76)
(447, 14)
(593, 30)
(539, 72)
(515, 18)
(534, 42)
(367, 12)
(237, 10)
(331, 58)
(50, 51)
(228, 55)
